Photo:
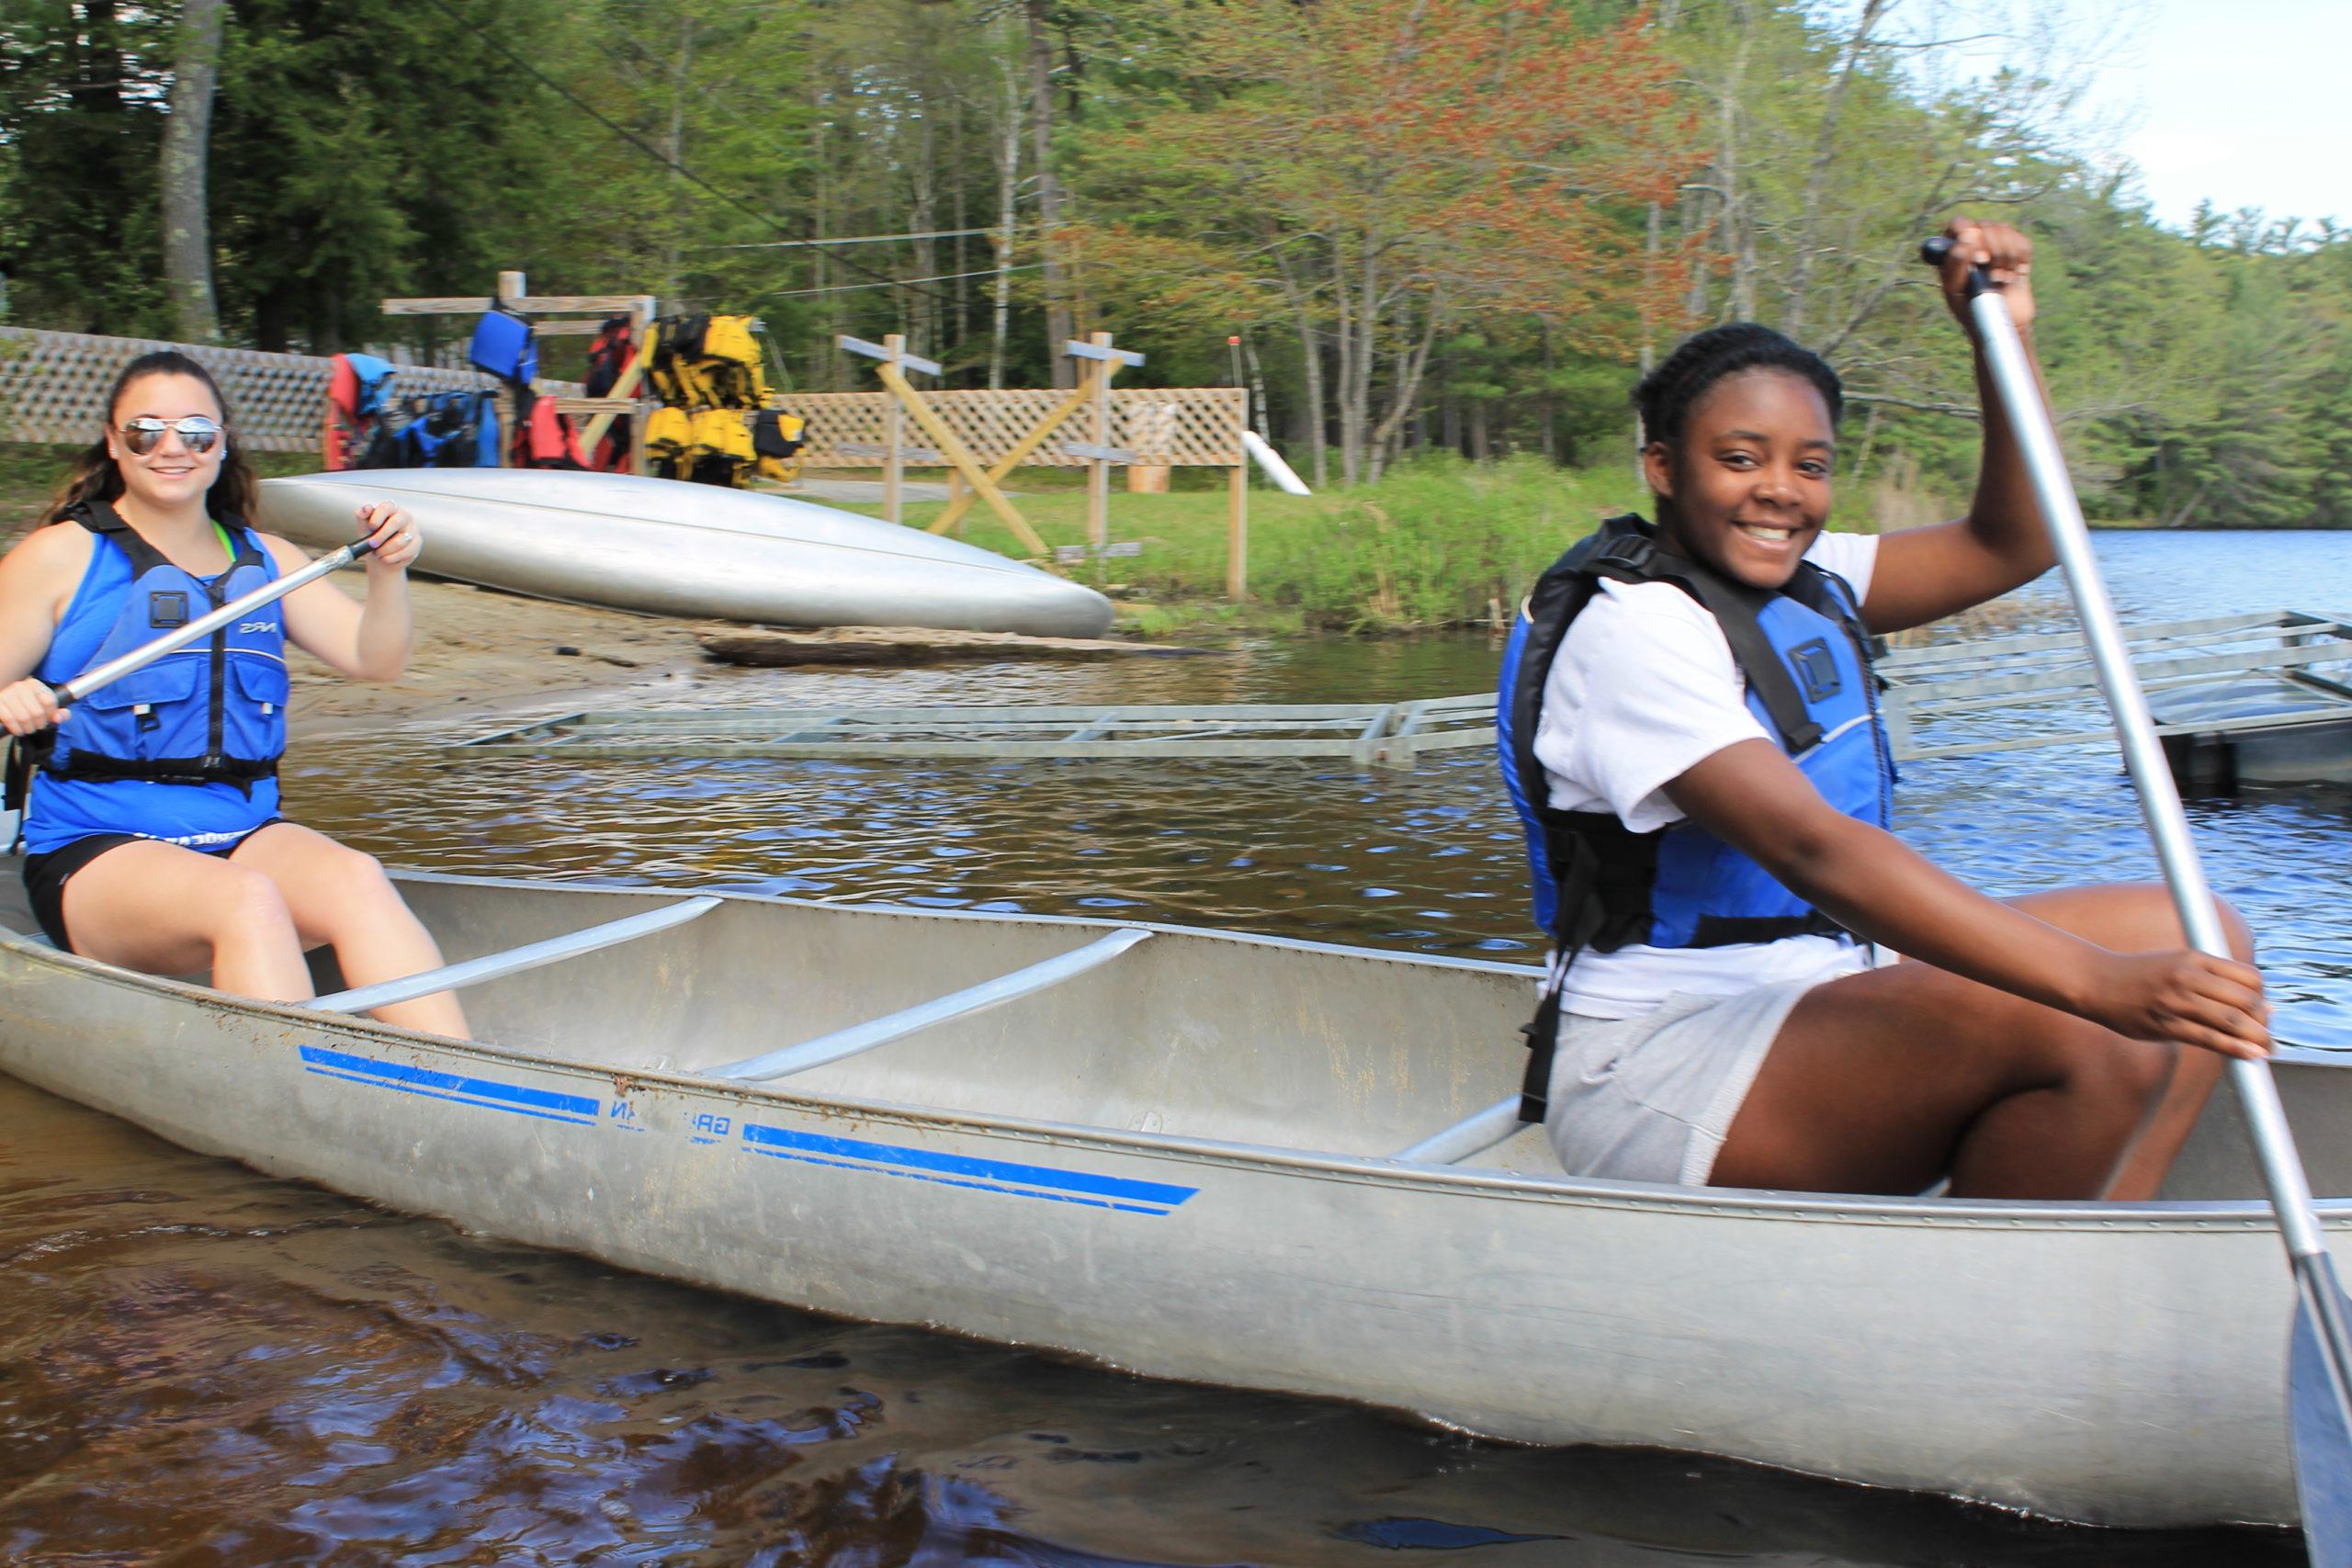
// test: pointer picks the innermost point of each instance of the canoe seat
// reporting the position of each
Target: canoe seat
(514, 960)
(864, 1036)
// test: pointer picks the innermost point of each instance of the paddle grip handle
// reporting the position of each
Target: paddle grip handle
(1934, 250)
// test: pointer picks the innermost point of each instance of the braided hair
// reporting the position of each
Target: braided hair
(95, 476)
(1668, 394)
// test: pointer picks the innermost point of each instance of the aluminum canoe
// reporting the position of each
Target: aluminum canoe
(669, 548)
(1177, 1152)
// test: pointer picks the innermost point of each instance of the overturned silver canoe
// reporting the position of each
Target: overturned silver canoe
(1182, 1153)
(669, 548)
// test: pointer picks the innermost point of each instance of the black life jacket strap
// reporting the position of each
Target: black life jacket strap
(1542, 1033)
(26, 752)
(91, 769)
(1735, 610)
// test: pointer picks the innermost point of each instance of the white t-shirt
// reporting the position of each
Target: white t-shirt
(1645, 689)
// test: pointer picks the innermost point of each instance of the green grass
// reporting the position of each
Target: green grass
(1437, 542)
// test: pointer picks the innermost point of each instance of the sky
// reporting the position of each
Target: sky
(2247, 103)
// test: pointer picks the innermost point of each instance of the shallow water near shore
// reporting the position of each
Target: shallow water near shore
(200, 1364)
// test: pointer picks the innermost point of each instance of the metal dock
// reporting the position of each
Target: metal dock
(1367, 735)
(1967, 697)
(1967, 690)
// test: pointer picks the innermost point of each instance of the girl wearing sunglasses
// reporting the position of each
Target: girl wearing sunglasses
(152, 832)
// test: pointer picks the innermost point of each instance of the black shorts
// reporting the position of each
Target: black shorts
(46, 874)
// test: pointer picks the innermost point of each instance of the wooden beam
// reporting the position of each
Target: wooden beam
(1098, 468)
(522, 304)
(1236, 534)
(621, 393)
(894, 427)
(959, 505)
(960, 456)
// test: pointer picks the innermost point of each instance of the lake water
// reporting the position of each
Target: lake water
(202, 1365)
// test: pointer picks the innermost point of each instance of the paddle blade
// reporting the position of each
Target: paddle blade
(2322, 1446)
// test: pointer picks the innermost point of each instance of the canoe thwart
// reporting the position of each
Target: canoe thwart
(514, 960)
(1474, 1134)
(881, 1031)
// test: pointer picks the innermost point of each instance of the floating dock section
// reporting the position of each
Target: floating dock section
(2254, 696)
(1367, 735)
(2237, 696)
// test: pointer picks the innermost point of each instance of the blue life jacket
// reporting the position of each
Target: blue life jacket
(1807, 661)
(212, 713)
(503, 346)
(373, 378)
(452, 430)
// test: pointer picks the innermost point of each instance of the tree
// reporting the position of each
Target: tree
(1386, 168)
(187, 142)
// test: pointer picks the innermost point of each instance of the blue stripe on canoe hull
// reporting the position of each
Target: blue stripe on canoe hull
(488, 1093)
(1007, 1177)
(962, 1170)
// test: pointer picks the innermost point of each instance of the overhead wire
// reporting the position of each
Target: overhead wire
(496, 42)
(935, 278)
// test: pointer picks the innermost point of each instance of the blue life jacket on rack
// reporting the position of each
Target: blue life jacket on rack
(453, 430)
(213, 713)
(1806, 661)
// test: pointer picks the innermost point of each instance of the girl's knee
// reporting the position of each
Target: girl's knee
(2133, 1073)
(355, 876)
(246, 904)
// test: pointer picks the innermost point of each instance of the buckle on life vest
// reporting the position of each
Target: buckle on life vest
(166, 609)
(1631, 552)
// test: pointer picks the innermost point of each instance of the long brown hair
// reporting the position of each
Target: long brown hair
(95, 475)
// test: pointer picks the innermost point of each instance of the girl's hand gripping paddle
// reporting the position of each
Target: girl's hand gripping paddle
(2319, 1384)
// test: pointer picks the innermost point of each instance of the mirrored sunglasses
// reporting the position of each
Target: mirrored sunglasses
(196, 434)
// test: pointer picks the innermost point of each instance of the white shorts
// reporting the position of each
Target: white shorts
(1651, 1098)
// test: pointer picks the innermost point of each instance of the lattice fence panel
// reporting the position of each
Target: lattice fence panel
(1187, 426)
(53, 386)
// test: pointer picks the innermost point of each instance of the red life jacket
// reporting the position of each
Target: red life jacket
(544, 438)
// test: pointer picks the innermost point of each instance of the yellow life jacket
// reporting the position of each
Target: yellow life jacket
(722, 434)
(778, 438)
(669, 434)
(730, 365)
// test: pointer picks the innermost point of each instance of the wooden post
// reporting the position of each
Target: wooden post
(1098, 476)
(958, 492)
(1236, 532)
(893, 429)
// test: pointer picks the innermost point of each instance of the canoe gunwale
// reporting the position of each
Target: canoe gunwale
(2335, 1213)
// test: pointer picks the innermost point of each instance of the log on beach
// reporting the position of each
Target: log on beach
(903, 645)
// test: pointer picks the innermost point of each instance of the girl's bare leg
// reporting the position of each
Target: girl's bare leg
(1886, 1081)
(341, 898)
(167, 911)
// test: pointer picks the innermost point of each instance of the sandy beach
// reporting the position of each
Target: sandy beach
(480, 652)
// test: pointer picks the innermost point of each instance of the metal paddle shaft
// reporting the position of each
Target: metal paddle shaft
(204, 626)
(2320, 1333)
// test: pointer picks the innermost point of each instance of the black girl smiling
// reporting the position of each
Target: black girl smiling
(1758, 984)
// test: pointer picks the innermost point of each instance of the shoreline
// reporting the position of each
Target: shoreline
(480, 654)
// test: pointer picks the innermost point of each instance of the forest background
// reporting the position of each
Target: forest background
(1446, 234)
